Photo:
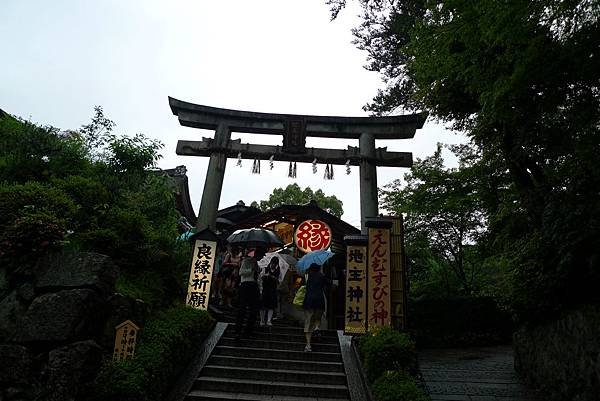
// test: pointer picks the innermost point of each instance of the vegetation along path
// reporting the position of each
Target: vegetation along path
(472, 374)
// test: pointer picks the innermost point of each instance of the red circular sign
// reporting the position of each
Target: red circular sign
(312, 235)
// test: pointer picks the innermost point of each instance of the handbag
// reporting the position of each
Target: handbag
(300, 295)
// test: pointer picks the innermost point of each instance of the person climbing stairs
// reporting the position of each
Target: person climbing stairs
(272, 365)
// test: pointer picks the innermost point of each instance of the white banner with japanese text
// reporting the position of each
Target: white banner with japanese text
(201, 274)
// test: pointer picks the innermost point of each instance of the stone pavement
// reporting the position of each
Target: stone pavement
(472, 374)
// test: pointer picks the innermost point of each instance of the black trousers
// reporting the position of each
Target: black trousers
(249, 303)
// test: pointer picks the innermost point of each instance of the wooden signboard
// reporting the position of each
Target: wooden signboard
(201, 273)
(356, 289)
(125, 340)
(379, 300)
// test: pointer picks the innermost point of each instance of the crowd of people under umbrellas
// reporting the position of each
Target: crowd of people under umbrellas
(241, 282)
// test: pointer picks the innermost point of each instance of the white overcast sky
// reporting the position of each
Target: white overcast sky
(62, 57)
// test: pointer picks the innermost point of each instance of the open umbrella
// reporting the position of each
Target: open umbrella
(186, 235)
(318, 257)
(255, 237)
(289, 259)
(283, 265)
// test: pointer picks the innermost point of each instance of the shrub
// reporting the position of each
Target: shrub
(33, 219)
(33, 153)
(17, 200)
(397, 386)
(166, 346)
(31, 235)
(387, 349)
(459, 322)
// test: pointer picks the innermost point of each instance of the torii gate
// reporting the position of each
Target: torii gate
(295, 129)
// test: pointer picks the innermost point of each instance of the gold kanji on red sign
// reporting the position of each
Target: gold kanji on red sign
(312, 235)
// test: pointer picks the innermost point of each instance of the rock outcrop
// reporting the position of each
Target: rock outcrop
(57, 324)
(562, 358)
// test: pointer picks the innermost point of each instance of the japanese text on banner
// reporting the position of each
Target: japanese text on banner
(379, 300)
(356, 285)
(125, 340)
(201, 274)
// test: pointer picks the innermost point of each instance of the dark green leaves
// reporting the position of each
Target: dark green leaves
(294, 195)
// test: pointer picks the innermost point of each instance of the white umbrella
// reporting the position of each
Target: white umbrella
(283, 265)
(289, 259)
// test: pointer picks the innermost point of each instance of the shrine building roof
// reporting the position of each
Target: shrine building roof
(295, 214)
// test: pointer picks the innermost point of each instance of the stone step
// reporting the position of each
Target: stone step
(288, 337)
(298, 331)
(275, 375)
(231, 313)
(266, 387)
(276, 323)
(268, 344)
(249, 352)
(268, 363)
(221, 396)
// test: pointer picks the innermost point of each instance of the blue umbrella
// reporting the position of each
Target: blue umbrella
(185, 236)
(317, 257)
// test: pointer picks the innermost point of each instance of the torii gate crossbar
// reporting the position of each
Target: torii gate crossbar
(294, 129)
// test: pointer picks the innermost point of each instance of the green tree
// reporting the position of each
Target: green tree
(445, 218)
(90, 190)
(294, 195)
(522, 79)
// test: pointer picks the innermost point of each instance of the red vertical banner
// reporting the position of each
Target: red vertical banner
(379, 299)
(356, 289)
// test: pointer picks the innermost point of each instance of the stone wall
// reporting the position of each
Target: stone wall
(562, 358)
(57, 324)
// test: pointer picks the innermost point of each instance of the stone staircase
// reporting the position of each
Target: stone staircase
(272, 365)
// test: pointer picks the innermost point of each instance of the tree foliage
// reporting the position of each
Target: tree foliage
(294, 195)
(91, 190)
(522, 79)
(444, 215)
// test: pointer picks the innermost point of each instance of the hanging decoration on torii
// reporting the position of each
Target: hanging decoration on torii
(294, 129)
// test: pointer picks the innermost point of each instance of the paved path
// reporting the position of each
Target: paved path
(472, 374)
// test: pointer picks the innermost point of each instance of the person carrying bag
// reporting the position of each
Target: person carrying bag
(314, 302)
(300, 295)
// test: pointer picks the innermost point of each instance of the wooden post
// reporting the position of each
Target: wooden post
(399, 284)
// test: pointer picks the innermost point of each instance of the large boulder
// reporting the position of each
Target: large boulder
(76, 270)
(71, 369)
(11, 311)
(16, 365)
(61, 317)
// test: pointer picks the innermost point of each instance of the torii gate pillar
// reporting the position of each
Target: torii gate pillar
(369, 203)
(207, 214)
